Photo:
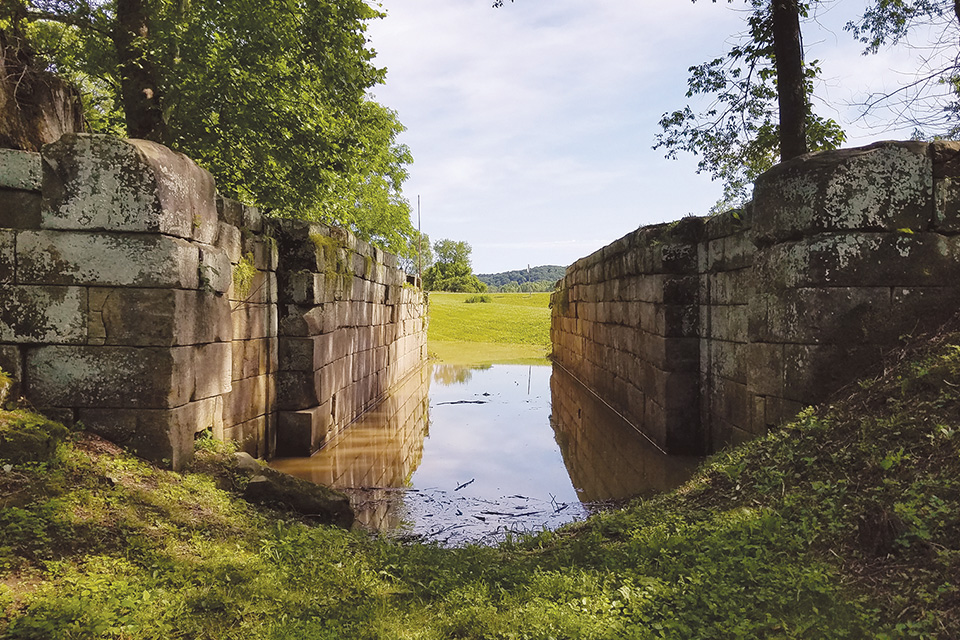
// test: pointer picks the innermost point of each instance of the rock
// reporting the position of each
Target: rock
(247, 463)
(29, 437)
(314, 501)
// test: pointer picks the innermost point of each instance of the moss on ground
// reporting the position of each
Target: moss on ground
(843, 524)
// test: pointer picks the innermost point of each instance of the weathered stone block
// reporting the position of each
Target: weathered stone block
(215, 270)
(252, 358)
(300, 433)
(159, 317)
(102, 259)
(764, 363)
(102, 182)
(887, 185)
(229, 240)
(37, 315)
(830, 315)
(8, 258)
(812, 373)
(252, 436)
(19, 209)
(110, 377)
(861, 260)
(20, 169)
(248, 399)
(161, 435)
(304, 287)
(213, 370)
(296, 390)
(254, 321)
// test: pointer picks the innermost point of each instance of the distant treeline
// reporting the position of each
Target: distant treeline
(540, 278)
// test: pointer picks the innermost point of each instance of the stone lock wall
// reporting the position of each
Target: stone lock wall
(710, 331)
(135, 300)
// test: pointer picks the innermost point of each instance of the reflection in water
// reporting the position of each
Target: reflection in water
(448, 374)
(377, 453)
(479, 456)
(606, 457)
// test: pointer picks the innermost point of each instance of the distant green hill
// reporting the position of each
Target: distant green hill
(546, 273)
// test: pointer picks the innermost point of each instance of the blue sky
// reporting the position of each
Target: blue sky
(532, 126)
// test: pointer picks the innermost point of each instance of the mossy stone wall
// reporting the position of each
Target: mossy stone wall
(135, 300)
(711, 331)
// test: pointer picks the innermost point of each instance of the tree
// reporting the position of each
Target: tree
(930, 100)
(270, 97)
(451, 270)
(417, 257)
(761, 112)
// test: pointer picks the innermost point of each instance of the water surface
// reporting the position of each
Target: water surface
(463, 454)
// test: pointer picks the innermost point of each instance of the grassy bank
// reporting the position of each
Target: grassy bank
(505, 328)
(844, 524)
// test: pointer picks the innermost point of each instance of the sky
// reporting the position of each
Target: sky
(532, 126)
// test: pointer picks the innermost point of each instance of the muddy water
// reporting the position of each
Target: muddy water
(465, 454)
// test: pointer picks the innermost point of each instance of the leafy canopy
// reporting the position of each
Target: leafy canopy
(737, 136)
(270, 97)
(451, 270)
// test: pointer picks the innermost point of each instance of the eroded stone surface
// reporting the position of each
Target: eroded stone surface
(100, 182)
(101, 259)
(20, 169)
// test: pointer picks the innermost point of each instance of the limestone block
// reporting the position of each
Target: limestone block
(254, 321)
(730, 401)
(159, 317)
(252, 219)
(8, 258)
(307, 354)
(248, 399)
(812, 373)
(251, 436)
(916, 310)
(215, 270)
(260, 290)
(114, 377)
(229, 211)
(860, 260)
(213, 369)
(887, 185)
(300, 321)
(720, 359)
(161, 435)
(229, 240)
(300, 433)
(946, 185)
(303, 287)
(296, 390)
(101, 182)
(829, 315)
(252, 358)
(764, 363)
(106, 259)
(20, 170)
(19, 209)
(35, 314)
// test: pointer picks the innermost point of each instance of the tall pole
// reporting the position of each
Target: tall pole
(419, 244)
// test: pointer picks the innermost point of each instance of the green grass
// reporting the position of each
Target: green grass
(843, 524)
(510, 328)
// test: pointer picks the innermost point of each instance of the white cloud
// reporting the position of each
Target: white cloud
(536, 121)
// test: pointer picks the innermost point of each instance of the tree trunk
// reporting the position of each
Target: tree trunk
(791, 89)
(138, 76)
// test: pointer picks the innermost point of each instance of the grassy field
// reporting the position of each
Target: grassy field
(511, 328)
(843, 524)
